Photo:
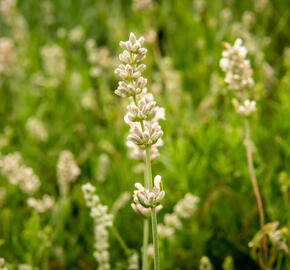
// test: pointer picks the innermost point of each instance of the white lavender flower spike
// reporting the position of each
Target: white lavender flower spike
(145, 134)
(143, 113)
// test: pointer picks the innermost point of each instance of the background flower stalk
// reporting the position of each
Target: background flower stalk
(239, 78)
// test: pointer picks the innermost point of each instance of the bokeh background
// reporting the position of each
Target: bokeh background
(60, 73)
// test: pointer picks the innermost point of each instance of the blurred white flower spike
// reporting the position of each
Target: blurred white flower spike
(186, 206)
(37, 129)
(41, 205)
(17, 173)
(238, 76)
(67, 170)
(102, 220)
(237, 68)
(183, 209)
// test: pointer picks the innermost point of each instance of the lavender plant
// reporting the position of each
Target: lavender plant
(144, 138)
(102, 220)
(238, 76)
(56, 78)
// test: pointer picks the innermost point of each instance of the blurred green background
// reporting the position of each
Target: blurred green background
(203, 153)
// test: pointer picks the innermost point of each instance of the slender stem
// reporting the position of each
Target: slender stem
(155, 238)
(148, 180)
(278, 265)
(145, 232)
(146, 221)
(145, 244)
(153, 211)
(120, 240)
(249, 150)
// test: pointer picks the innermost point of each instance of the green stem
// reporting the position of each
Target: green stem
(278, 265)
(59, 216)
(148, 179)
(120, 240)
(155, 238)
(145, 232)
(149, 182)
(145, 244)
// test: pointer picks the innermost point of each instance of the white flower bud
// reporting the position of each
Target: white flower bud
(143, 211)
(152, 132)
(145, 111)
(245, 109)
(205, 264)
(125, 57)
(146, 198)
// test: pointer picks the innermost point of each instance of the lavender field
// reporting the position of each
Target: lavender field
(144, 134)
